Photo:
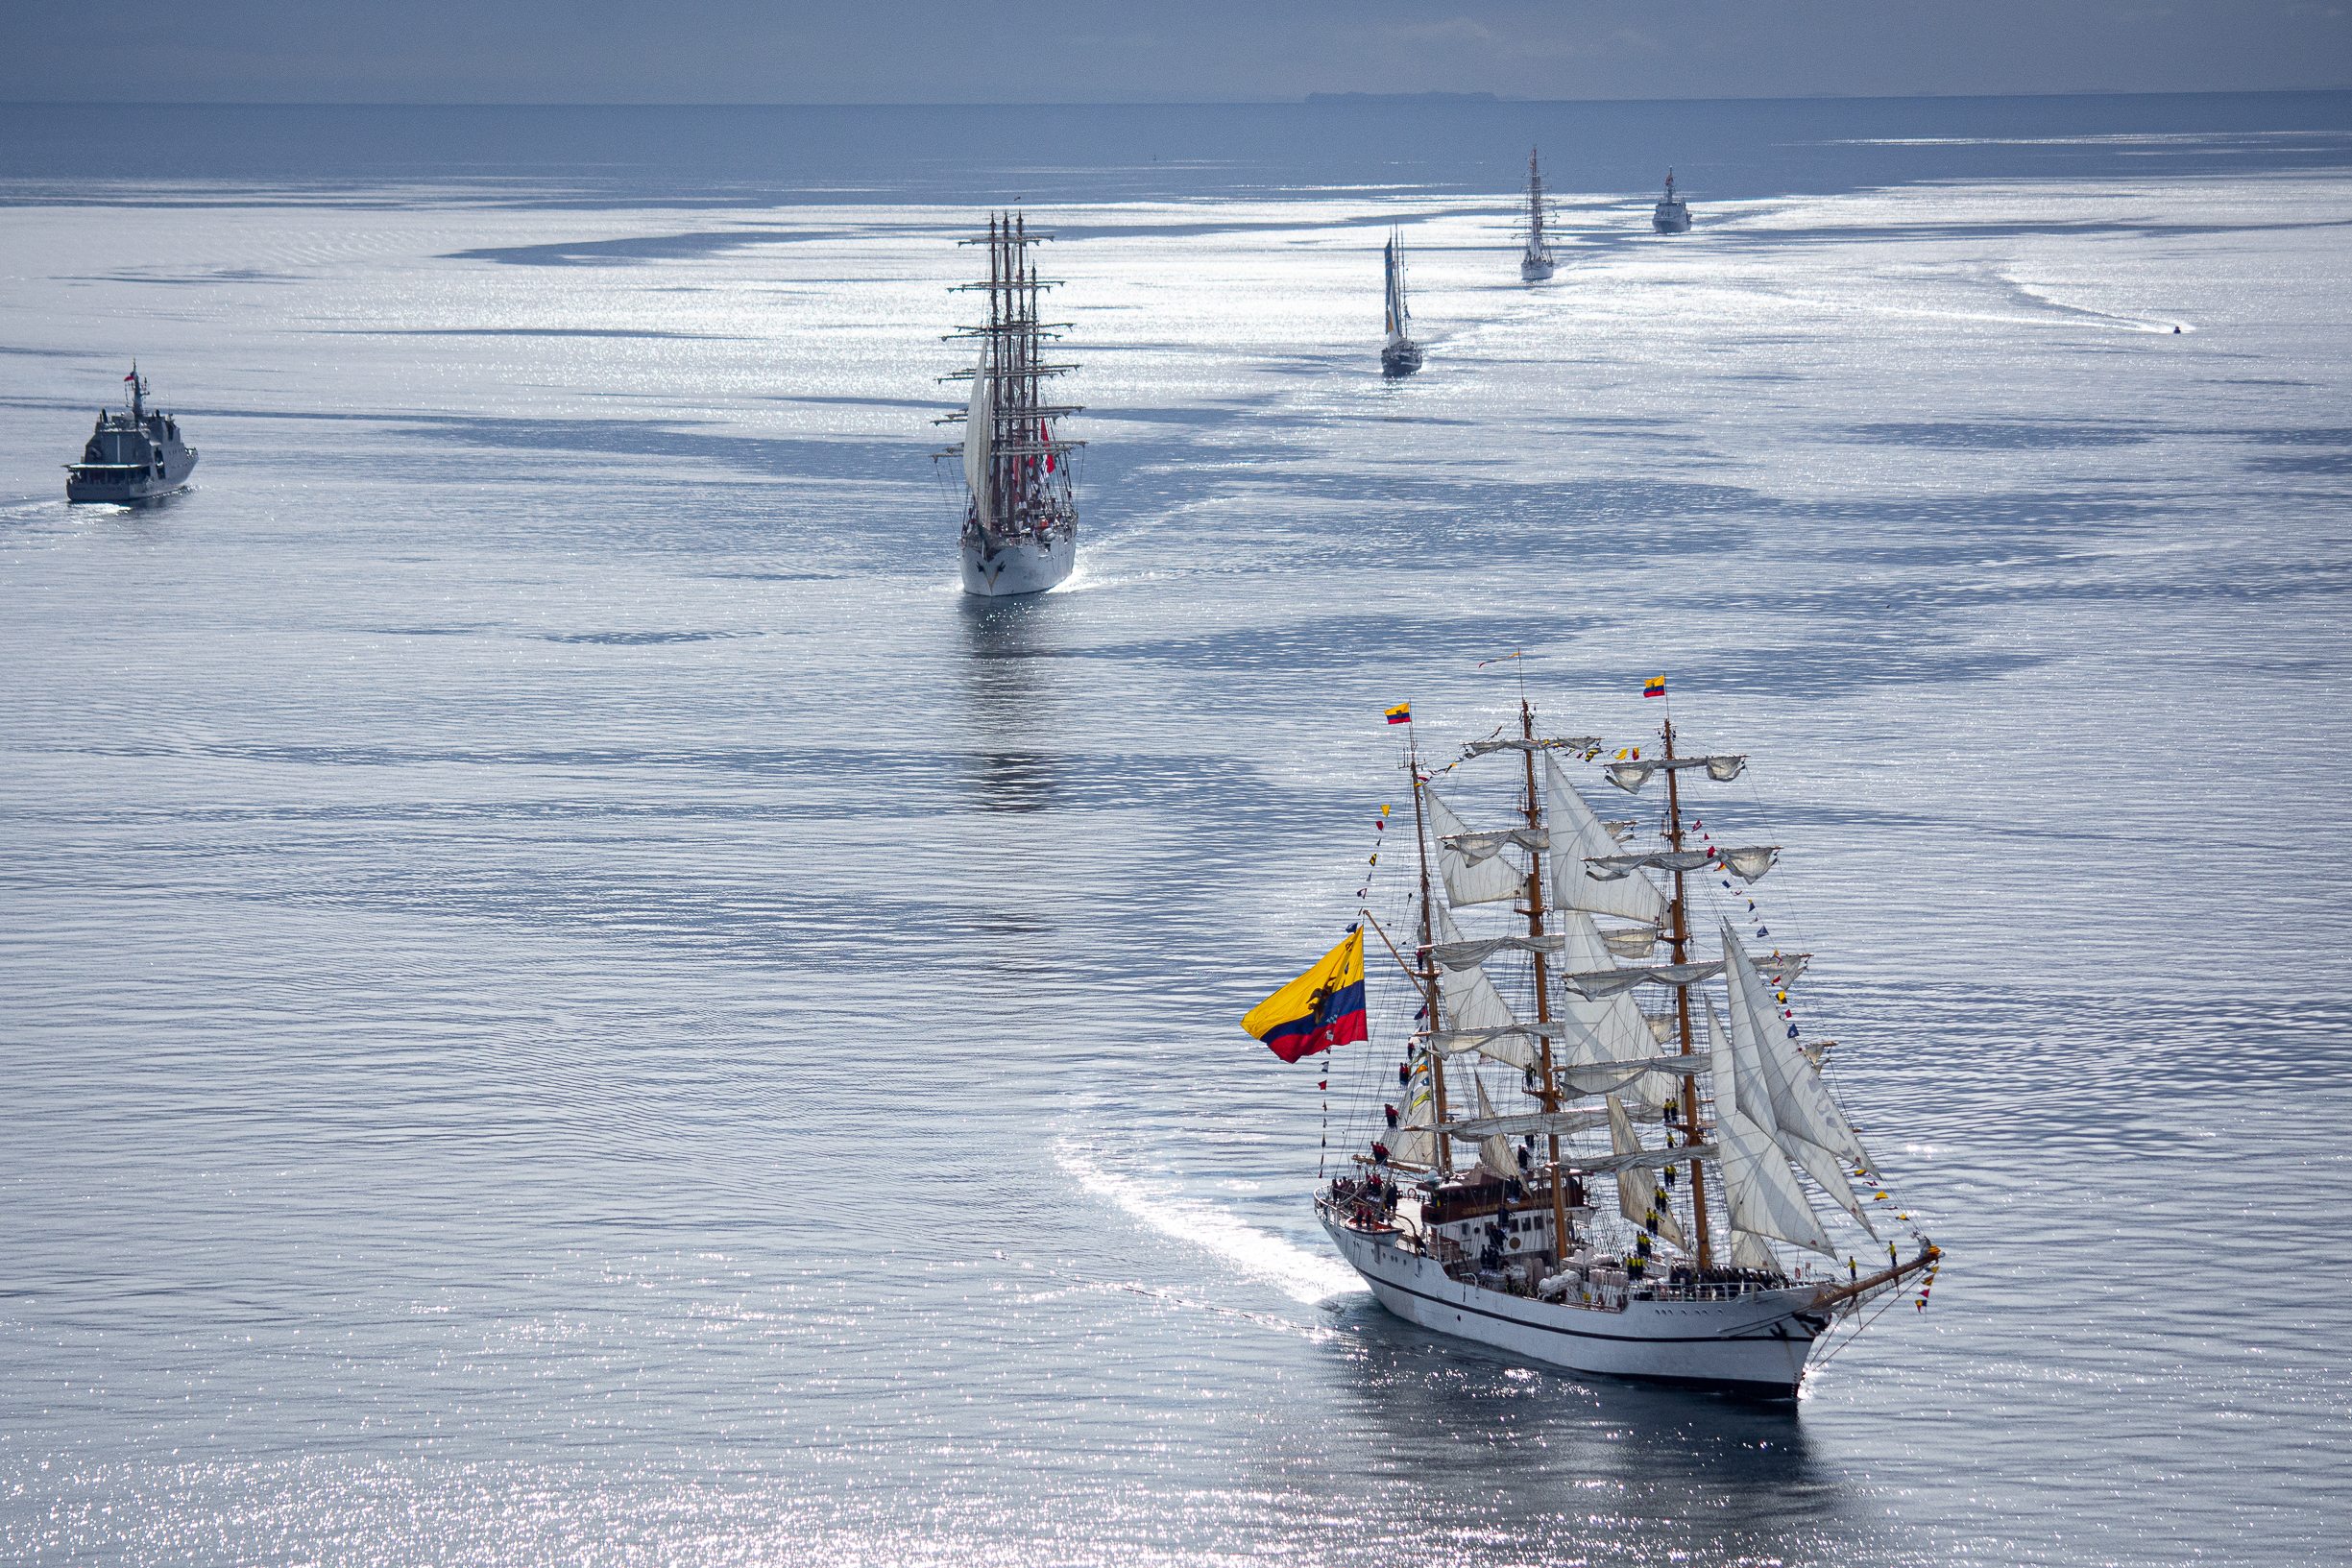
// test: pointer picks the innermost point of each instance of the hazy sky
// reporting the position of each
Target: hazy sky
(999, 51)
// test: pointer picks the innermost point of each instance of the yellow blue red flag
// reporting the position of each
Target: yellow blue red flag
(1654, 687)
(1401, 713)
(1321, 1008)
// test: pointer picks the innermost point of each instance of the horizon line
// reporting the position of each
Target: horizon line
(1479, 100)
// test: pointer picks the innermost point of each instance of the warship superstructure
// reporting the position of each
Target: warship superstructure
(1671, 215)
(134, 454)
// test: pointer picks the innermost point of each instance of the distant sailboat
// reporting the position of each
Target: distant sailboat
(1400, 355)
(1020, 514)
(1535, 261)
(1673, 215)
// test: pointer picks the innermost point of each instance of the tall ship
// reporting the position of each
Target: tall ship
(1672, 214)
(1535, 260)
(1399, 354)
(1020, 512)
(134, 454)
(1582, 1149)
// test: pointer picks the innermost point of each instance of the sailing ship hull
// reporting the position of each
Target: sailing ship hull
(1533, 271)
(1400, 358)
(1754, 1344)
(1003, 571)
(1671, 218)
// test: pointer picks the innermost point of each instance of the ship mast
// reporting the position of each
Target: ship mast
(1535, 209)
(1680, 937)
(1428, 976)
(1549, 1096)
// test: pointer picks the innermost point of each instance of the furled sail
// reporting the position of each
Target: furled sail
(1469, 880)
(1480, 846)
(1551, 1123)
(1464, 955)
(1580, 742)
(1454, 1041)
(1632, 776)
(1577, 835)
(1472, 1003)
(1609, 982)
(1638, 1198)
(1610, 867)
(979, 430)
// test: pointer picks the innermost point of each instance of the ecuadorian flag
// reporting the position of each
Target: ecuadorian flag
(1321, 1008)
(1654, 687)
(1401, 713)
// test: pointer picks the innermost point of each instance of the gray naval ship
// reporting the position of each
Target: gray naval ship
(133, 455)
(1671, 216)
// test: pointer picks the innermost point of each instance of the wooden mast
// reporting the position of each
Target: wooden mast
(1429, 972)
(1549, 1094)
(1680, 937)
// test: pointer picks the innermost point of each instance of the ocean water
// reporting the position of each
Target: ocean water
(568, 998)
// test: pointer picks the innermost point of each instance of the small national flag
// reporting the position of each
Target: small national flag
(133, 376)
(1401, 713)
(1654, 687)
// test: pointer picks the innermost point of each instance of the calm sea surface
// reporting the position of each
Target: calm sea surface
(565, 996)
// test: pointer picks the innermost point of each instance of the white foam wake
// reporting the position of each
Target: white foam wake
(1305, 1276)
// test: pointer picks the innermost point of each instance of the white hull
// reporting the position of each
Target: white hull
(1028, 566)
(1534, 271)
(1754, 1343)
(1671, 218)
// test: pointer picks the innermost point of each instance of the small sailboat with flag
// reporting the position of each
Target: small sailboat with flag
(1399, 354)
(1020, 500)
(1557, 1054)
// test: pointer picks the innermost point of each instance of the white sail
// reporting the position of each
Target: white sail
(1472, 1003)
(1400, 318)
(1762, 1191)
(979, 430)
(1468, 880)
(1801, 1103)
(1752, 1095)
(1579, 834)
(1749, 1250)
(1412, 1142)
(1611, 1029)
(1637, 1187)
(1495, 1151)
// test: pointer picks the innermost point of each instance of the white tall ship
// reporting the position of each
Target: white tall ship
(1672, 214)
(1399, 354)
(1020, 516)
(1535, 260)
(1543, 1072)
(134, 454)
